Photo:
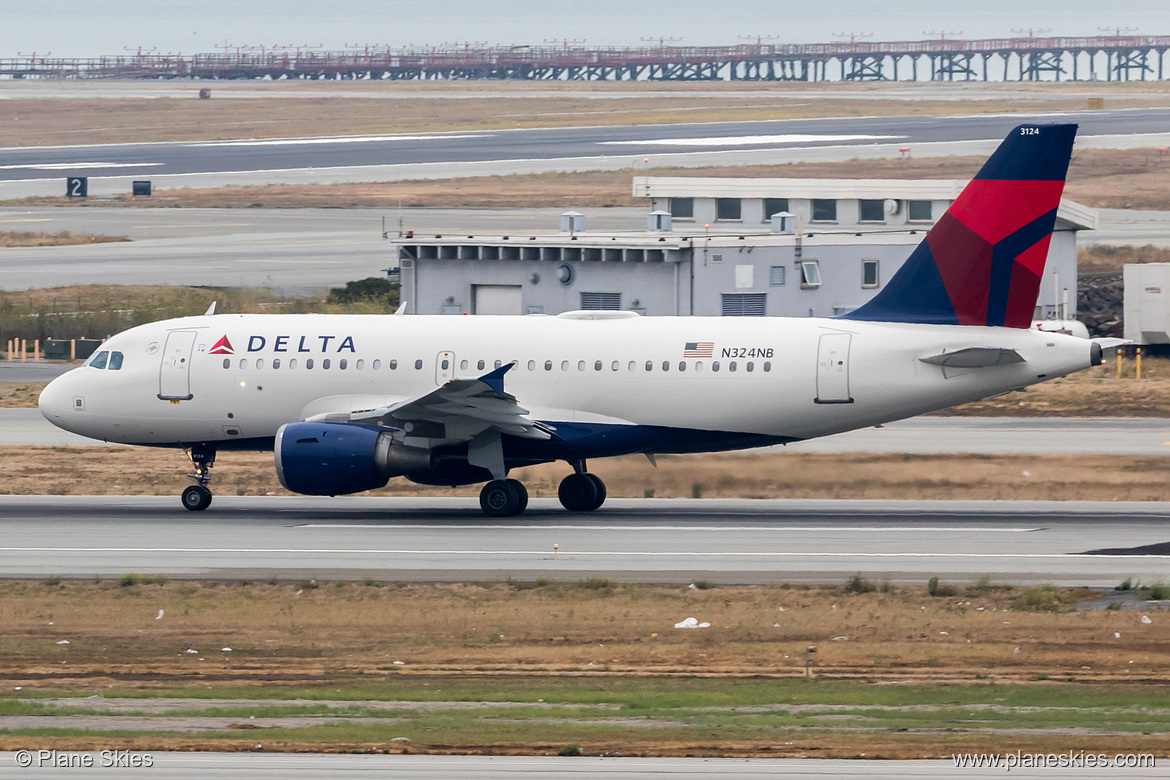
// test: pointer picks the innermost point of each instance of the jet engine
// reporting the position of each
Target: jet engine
(329, 459)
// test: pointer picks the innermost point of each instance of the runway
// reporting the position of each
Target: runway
(249, 766)
(111, 167)
(644, 540)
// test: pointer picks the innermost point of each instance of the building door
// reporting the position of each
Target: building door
(174, 377)
(833, 369)
(444, 367)
(496, 299)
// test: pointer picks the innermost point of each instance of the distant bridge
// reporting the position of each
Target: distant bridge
(1102, 58)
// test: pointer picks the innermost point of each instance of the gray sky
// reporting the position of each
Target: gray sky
(80, 28)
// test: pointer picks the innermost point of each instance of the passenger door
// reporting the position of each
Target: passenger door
(174, 377)
(833, 369)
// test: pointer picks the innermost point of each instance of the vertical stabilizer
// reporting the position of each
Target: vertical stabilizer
(982, 262)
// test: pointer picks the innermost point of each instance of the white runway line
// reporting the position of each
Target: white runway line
(741, 140)
(719, 528)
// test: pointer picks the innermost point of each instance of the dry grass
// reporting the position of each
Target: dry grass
(60, 238)
(1104, 178)
(143, 471)
(289, 633)
(20, 395)
(254, 111)
(1104, 259)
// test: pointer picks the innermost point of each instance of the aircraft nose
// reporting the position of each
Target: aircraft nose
(57, 400)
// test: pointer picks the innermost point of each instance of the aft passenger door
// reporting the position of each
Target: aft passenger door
(174, 377)
(833, 369)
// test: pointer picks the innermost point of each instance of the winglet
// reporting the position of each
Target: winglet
(495, 379)
(210, 309)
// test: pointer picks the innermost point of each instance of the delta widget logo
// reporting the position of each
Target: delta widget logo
(222, 347)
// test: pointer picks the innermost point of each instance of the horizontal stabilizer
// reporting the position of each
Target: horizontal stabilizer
(975, 357)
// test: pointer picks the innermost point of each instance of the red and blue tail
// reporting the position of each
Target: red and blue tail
(981, 264)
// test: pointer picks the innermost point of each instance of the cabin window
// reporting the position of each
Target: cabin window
(115, 361)
(393, 364)
(309, 364)
(564, 365)
(649, 365)
(276, 362)
(376, 365)
(227, 362)
(715, 365)
(243, 363)
(446, 364)
(499, 363)
(479, 366)
(614, 366)
(344, 364)
(259, 363)
(699, 365)
(597, 365)
(548, 365)
(665, 365)
(633, 366)
(418, 365)
(767, 366)
(580, 365)
(292, 364)
(750, 366)
(531, 365)
(463, 365)
(325, 363)
(360, 364)
(731, 366)
(682, 365)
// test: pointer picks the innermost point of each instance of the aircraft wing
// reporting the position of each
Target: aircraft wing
(457, 411)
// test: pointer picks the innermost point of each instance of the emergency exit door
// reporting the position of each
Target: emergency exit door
(174, 377)
(833, 369)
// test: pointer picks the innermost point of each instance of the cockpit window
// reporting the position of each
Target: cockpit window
(99, 360)
(115, 361)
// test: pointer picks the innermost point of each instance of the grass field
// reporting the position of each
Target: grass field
(509, 668)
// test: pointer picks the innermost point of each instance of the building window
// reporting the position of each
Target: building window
(824, 210)
(776, 276)
(727, 208)
(920, 211)
(869, 273)
(810, 273)
(601, 301)
(682, 208)
(871, 210)
(774, 206)
(744, 304)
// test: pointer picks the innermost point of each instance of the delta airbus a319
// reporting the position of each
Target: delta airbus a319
(347, 402)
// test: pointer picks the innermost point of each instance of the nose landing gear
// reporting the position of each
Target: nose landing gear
(197, 497)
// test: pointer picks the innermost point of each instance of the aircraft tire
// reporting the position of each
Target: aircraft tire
(521, 491)
(196, 498)
(601, 492)
(500, 498)
(578, 493)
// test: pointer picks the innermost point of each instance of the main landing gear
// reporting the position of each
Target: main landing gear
(579, 492)
(197, 497)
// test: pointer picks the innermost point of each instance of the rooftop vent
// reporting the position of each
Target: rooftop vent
(659, 222)
(572, 222)
(784, 223)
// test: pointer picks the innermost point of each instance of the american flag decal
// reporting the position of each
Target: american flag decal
(699, 349)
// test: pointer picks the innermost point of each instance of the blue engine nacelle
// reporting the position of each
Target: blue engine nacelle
(330, 459)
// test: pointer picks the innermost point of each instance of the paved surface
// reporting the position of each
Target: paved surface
(298, 250)
(653, 540)
(111, 167)
(182, 766)
(982, 435)
(28, 371)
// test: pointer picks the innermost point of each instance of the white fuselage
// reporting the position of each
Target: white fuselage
(792, 377)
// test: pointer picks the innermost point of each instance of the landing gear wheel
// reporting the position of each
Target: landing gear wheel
(196, 498)
(521, 491)
(596, 480)
(579, 493)
(500, 498)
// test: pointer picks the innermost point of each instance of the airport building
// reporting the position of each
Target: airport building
(711, 247)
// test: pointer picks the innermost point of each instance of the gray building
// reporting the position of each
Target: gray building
(717, 252)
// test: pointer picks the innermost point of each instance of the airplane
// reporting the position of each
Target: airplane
(346, 402)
